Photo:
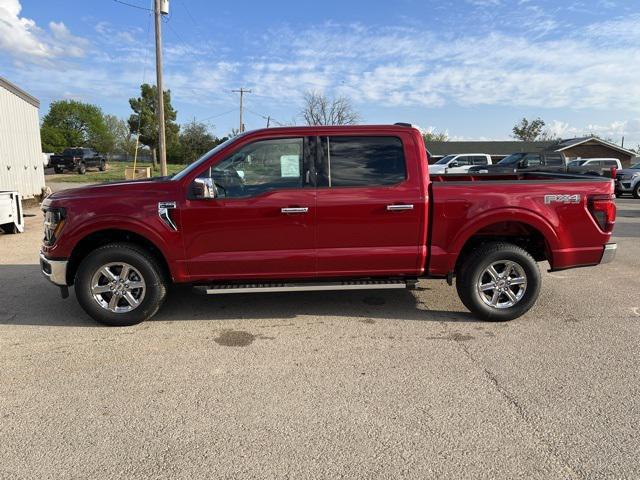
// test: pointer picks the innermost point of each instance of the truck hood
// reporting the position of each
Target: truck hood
(437, 169)
(119, 189)
(628, 172)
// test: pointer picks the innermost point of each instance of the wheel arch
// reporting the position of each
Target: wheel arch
(520, 227)
(97, 238)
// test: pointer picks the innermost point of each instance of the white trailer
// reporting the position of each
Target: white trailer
(21, 164)
(11, 216)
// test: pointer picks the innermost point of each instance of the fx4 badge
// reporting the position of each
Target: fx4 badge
(561, 198)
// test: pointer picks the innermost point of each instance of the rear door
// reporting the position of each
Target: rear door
(370, 209)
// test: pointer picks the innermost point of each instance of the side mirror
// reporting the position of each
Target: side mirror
(524, 163)
(453, 164)
(204, 189)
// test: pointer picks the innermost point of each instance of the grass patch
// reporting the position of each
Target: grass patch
(113, 173)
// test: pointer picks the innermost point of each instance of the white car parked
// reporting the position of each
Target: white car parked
(459, 163)
(597, 163)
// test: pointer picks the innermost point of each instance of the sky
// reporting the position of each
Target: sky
(470, 68)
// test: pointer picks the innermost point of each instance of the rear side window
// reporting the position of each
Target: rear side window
(480, 160)
(610, 163)
(554, 159)
(361, 161)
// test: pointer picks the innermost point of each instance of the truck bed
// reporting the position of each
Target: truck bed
(551, 208)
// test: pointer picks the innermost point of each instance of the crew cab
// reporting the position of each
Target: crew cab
(78, 160)
(322, 208)
(552, 162)
(459, 163)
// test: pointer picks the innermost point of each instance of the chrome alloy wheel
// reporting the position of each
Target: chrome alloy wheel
(118, 287)
(502, 284)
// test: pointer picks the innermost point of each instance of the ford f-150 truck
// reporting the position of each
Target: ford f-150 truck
(551, 162)
(322, 208)
(78, 159)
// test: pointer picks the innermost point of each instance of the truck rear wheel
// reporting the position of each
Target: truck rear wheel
(499, 281)
(82, 168)
(120, 284)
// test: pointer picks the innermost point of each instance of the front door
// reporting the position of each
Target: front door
(261, 223)
(370, 210)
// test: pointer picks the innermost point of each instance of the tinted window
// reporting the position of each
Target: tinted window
(610, 163)
(259, 167)
(361, 161)
(554, 159)
(72, 151)
(480, 160)
(463, 161)
(533, 160)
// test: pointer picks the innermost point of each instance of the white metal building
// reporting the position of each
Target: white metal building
(21, 161)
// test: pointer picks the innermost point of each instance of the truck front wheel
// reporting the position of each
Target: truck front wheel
(120, 284)
(499, 281)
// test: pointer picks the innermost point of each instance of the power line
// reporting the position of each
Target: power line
(269, 118)
(133, 6)
(217, 115)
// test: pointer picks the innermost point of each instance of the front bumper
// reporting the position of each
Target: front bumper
(609, 252)
(54, 270)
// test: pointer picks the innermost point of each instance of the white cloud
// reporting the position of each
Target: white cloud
(21, 38)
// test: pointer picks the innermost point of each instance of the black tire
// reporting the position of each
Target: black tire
(9, 228)
(82, 168)
(134, 255)
(57, 170)
(636, 191)
(473, 270)
(103, 166)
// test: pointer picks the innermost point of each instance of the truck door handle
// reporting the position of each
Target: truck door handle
(291, 210)
(398, 208)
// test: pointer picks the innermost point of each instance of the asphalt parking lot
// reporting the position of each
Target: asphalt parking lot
(324, 385)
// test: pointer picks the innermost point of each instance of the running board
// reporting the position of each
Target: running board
(304, 287)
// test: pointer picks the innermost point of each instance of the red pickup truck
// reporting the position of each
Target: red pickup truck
(322, 208)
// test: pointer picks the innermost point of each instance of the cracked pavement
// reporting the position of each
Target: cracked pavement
(388, 384)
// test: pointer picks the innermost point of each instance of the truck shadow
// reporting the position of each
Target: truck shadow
(28, 299)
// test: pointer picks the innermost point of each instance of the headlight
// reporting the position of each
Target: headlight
(54, 219)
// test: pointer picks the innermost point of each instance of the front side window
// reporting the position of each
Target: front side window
(259, 167)
(532, 160)
(361, 161)
(463, 161)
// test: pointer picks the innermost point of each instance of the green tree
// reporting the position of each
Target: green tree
(194, 140)
(435, 136)
(529, 130)
(124, 142)
(52, 139)
(70, 123)
(144, 120)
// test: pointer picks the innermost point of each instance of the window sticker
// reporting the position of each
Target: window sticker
(289, 166)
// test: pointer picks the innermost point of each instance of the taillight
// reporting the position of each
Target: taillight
(603, 209)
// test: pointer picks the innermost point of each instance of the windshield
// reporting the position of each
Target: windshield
(445, 160)
(511, 159)
(190, 168)
(576, 163)
(636, 166)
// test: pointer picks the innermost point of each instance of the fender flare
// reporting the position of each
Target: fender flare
(510, 214)
(124, 224)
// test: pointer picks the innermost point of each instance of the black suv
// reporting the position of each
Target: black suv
(78, 159)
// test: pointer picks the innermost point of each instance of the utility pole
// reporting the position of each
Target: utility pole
(268, 120)
(242, 91)
(161, 8)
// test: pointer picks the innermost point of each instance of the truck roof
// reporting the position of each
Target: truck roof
(305, 130)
